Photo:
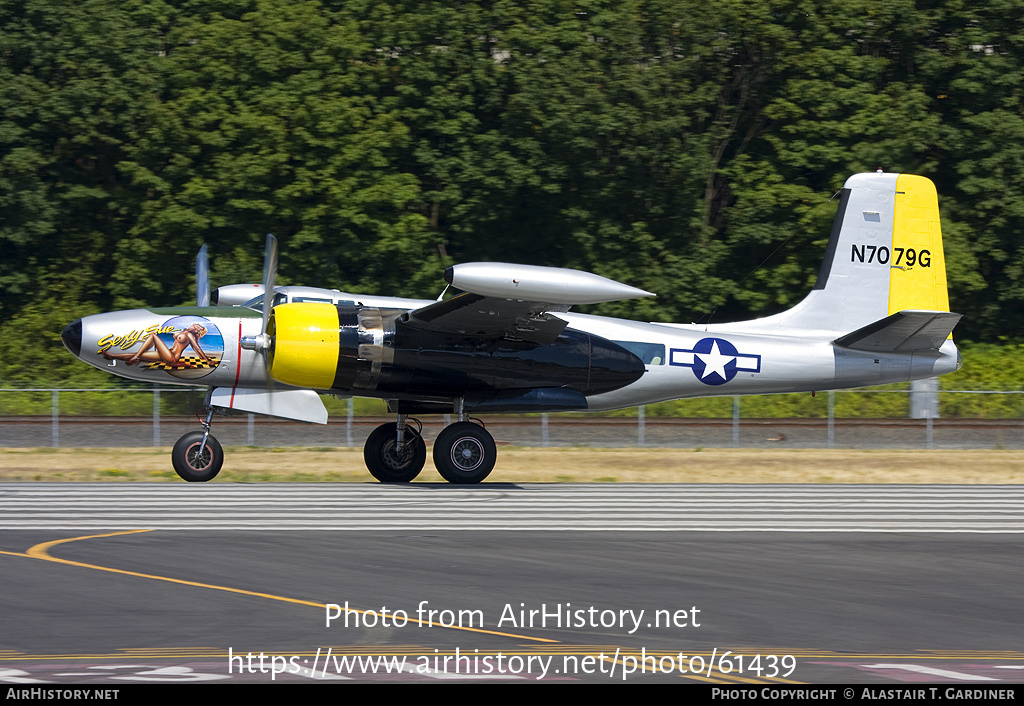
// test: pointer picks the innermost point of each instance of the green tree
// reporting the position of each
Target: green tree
(69, 79)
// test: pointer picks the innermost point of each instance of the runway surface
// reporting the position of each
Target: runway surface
(491, 506)
(770, 585)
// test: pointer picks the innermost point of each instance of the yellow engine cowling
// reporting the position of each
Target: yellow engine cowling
(324, 346)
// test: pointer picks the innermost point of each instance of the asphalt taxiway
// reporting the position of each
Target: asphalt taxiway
(169, 582)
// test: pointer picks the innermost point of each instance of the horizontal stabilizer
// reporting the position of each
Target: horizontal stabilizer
(301, 405)
(903, 331)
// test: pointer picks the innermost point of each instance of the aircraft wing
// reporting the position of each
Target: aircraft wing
(490, 317)
(502, 300)
(906, 330)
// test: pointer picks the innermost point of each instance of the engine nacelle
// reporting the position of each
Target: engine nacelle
(371, 351)
(327, 347)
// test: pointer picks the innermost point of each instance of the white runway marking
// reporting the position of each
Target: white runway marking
(931, 671)
(629, 507)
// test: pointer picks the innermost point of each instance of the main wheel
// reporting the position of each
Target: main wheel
(383, 459)
(193, 466)
(464, 452)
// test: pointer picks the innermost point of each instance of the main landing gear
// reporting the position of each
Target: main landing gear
(395, 453)
(464, 452)
(197, 456)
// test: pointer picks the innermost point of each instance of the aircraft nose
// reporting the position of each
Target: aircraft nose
(72, 337)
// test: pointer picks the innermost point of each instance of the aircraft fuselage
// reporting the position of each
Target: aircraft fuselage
(612, 363)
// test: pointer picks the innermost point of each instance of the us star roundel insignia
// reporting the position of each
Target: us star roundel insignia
(714, 361)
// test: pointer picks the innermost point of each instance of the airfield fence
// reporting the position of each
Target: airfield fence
(641, 429)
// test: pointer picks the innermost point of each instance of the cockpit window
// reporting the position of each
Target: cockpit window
(257, 302)
(649, 353)
(317, 300)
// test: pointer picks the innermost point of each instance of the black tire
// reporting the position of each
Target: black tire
(464, 453)
(189, 465)
(387, 466)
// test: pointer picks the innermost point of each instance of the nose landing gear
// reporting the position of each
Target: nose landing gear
(197, 456)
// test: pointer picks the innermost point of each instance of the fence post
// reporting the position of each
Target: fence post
(348, 422)
(544, 429)
(640, 426)
(735, 420)
(924, 398)
(831, 418)
(55, 418)
(156, 416)
(250, 430)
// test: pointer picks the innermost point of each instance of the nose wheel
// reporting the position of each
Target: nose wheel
(197, 457)
(464, 453)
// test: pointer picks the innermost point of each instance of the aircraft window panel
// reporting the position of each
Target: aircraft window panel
(255, 303)
(649, 353)
(315, 300)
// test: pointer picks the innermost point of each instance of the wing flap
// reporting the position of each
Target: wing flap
(907, 330)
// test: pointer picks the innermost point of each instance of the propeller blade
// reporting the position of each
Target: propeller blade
(202, 278)
(269, 273)
(262, 342)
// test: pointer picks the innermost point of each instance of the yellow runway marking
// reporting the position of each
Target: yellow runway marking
(41, 551)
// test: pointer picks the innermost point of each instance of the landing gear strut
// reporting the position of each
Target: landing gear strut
(197, 456)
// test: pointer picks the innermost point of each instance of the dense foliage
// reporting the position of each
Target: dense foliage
(671, 144)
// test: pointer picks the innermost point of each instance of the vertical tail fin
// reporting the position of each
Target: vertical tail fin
(917, 278)
(884, 256)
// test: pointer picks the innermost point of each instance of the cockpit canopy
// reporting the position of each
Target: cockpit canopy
(289, 295)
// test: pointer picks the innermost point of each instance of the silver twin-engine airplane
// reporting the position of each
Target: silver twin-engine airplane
(506, 342)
